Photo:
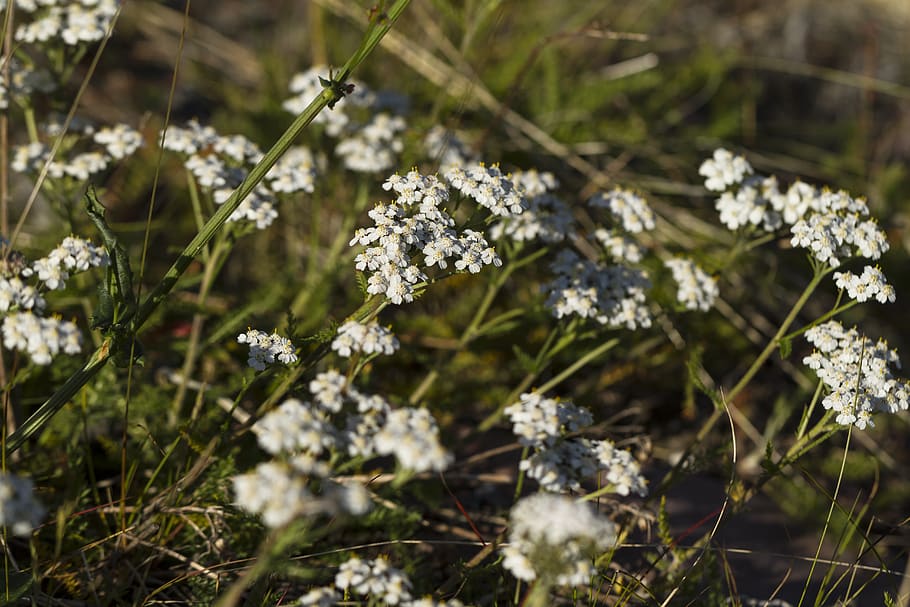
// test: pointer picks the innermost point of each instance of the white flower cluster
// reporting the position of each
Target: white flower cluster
(221, 163)
(306, 87)
(723, 170)
(376, 579)
(857, 374)
(545, 217)
(20, 512)
(298, 433)
(696, 289)
(447, 149)
(369, 339)
(24, 80)
(41, 338)
(831, 225)
(374, 147)
(415, 224)
(71, 256)
(556, 538)
(619, 247)
(104, 145)
(613, 295)
(871, 283)
(75, 22)
(560, 463)
(540, 421)
(265, 349)
(629, 208)
(366, 147)
(21, 304)
(487, 186)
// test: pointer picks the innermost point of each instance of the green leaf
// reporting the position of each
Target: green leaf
(786, 347)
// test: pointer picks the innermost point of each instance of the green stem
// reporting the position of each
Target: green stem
(329, 96)
(472, 331)
(773, 343)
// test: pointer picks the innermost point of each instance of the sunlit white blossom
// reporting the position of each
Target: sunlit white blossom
(723, 169)
(266, 349)
(857, 373)
(555, 538)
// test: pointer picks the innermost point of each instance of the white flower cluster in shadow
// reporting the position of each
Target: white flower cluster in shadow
(373, 579)
(74, 22)
(85, 151)
(20, 512)
(25, 328)
(266, 349)
(369, 338)
(857, 373)
(697, 290)
(555, 538)
(546, 217)
(415, 233)
(560, 461)
(369, 135)
(305, 436)
(219, 165)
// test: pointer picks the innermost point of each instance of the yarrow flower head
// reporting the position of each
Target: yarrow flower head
(376, 579)
(19, 511)
(75, 22)
(723, 170)
(266, 349)
(555, 538)
(871, 283)
(560, 462)
(219, 165)
(857, 374)
(696, 289)
(613, 295)
(489, 187)
(545, 216)
(831, 225)
(368, 338)
(630, 209)
(415, 225)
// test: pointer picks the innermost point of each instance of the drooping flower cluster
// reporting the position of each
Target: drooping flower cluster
(830, 225)
(266, 349)
(545, 217)
(19, 511)
(219, 165)
(85, 151)
(561, 463)
(373, 579)
(303, 436)
(371, 145)
(870, 284)
(74, 22)
(555, 538)
(613, 295)
(857, 373)
(371, 338)
(696, 289)
(416, 225)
